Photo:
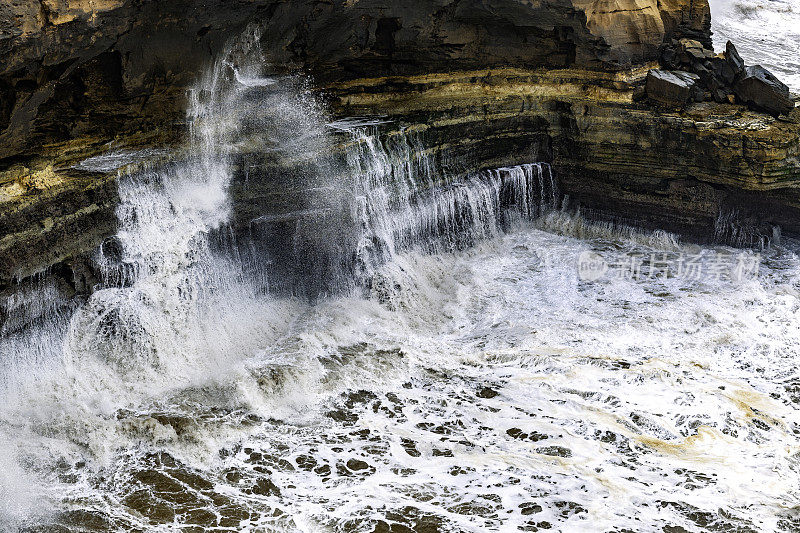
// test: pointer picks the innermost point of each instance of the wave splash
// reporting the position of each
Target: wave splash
(452, 372)
(766, 32)
(179, 322)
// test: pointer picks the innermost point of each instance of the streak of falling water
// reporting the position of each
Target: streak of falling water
(174, 314)
(403, 201)
(171, 312)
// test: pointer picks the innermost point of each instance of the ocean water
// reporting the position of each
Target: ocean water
(765, 32)
(486, 362)
(495, 388)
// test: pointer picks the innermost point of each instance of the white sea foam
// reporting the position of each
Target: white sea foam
(766, 32)
(485, 389)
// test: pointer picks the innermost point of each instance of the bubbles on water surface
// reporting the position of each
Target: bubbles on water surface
(508, 395)
(766, 32)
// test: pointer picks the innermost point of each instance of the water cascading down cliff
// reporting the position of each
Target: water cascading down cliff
(183, 293)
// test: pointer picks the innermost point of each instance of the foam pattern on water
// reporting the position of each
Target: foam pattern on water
(495, 391)
(766, 32)
(175, 352)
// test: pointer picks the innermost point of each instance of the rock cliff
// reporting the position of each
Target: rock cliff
(484, 82)
(615, 157)
(97, 69)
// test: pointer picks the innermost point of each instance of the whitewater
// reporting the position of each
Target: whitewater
(766, 32)
(441, 354)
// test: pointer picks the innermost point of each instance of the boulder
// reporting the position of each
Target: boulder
(692, 72)
(673, 88)
(691, 45)
(706, 76)
(696, 54)
(723, 70)
(721, 95)
(760, 89)
(696, 92)
(669, 57)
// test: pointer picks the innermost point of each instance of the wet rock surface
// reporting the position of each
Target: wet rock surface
(423, 452)
(79, 79)
(78, 76)
(614, 157)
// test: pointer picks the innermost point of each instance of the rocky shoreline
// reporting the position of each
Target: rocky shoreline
(484, 85)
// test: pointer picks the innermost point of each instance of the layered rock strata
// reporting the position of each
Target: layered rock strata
(614, 156)
(484, 84)
(89, 70)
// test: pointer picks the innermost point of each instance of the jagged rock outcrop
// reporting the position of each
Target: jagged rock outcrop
(636, 29)
(720, 77)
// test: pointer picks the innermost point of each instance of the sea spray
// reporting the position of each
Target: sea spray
(169, 312)
(179, 320)
(471, 381)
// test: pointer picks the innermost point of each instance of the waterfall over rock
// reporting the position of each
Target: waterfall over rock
(403, 201)
(179, 289)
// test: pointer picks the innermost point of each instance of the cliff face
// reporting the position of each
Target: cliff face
(615, 157)
(95, 69)
(486, 83)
